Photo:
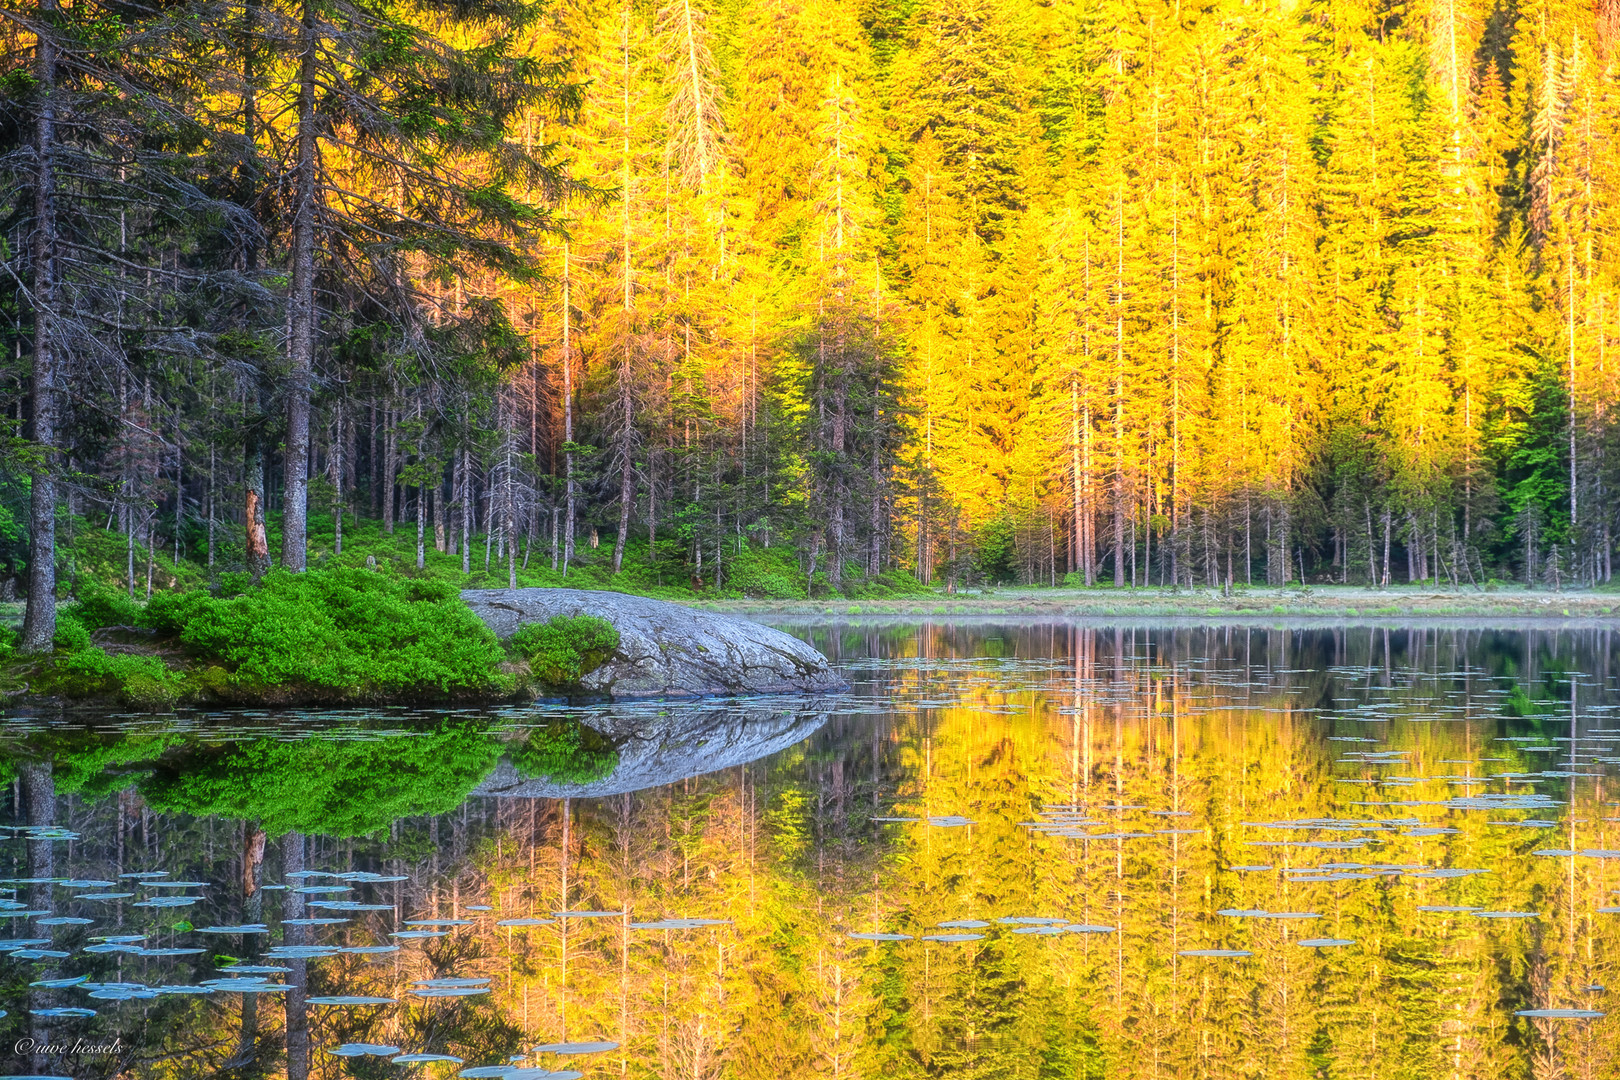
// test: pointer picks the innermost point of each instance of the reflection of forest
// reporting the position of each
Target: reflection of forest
(1220, 732)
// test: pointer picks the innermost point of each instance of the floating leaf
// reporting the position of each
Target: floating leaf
(363, 1050)
(575, 1048)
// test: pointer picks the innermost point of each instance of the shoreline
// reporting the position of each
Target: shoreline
(1326, 604)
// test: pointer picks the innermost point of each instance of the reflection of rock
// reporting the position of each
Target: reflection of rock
(669, 745)
(667, 650)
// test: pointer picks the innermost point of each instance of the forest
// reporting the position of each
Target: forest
(798, 297)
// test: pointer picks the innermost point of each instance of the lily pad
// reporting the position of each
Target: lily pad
(364, 1050)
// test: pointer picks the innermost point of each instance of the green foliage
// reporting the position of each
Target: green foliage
(889, 585)
(92, 766)
(997, 549)
(567, 752)
(328, 786)
(771, 573)
(97, 559)
(97, 606)
(563, 650)
(71, 635)
(141, 682)
(342, 634)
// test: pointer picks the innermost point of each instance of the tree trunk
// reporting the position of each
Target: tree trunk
(39, 619)
(301, 313)
(466, 511)
(258, 545)
(38, 791)
(292, 847)
(568, 420)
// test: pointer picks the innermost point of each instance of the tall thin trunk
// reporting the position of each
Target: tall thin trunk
(297, 1029)
(38, 792)
(390, 465)
(301, 311)
(1119, 394)
(568, 418)
(466, 511)
(258, 544)
(337, 482)
(39, 619)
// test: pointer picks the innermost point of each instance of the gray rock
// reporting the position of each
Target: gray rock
(665, 649)
(667, 746)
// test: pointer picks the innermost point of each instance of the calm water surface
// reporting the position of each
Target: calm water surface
(1035, 849)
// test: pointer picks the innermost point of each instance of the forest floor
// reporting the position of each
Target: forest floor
(1316, 601)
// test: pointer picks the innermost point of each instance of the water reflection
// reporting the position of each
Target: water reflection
(1034, 849)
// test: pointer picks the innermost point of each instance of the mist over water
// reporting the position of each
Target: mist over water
(1035, 848)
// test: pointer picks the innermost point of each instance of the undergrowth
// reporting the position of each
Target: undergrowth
(565, 649)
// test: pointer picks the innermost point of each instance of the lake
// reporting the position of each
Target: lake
(1015, 848)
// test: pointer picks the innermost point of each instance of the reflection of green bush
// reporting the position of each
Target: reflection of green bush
(89, 764)
(567, 648)
(345, 634)
(332, 787)
(567, 752)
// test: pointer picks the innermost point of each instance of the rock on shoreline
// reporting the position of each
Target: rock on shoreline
(665, 649)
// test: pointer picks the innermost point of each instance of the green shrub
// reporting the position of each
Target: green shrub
(347, 633)
(567, 648)
(768, 573)
(91, 555)
(8, 643)
(567, 752)
(329, 786)
(142, 682)
(887, 585)
(96, 606)
(71, 635)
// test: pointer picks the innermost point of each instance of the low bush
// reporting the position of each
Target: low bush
(344, 633)
(141, 682)
(887, 585)
(96, 606)
(564, 650)
(567, 752)
(765, 573)
(71, 635)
